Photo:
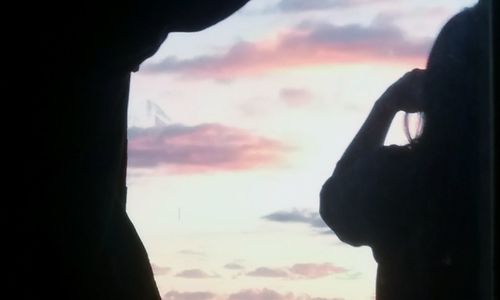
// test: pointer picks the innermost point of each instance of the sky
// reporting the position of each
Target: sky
(234, 129)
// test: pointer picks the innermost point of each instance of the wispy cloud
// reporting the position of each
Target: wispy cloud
(295, 6)
(202, 148)
(300, 271)
(267, 272)
(350, 276)
(313, 271)
(308, 44)
(233, 266)
(300, 5)
(175, 295)
(195, 274)
(295, 215)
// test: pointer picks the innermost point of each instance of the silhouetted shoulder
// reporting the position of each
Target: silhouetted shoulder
(369, 201)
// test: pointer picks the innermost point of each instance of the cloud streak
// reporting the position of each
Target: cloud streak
(303, 216)
(175, 295)
(300, 5)
(202, 148)
(233, 266)
(299, 271)
(267, 272)
(308, 44)
(313, 271)
(296, 6)
(195, 274)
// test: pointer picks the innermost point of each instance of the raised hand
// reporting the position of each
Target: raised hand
(405, 94)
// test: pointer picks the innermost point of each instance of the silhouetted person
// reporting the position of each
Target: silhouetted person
(418, 206)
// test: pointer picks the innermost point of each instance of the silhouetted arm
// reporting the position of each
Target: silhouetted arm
(364, 198)
(402, 95)
(372, 134)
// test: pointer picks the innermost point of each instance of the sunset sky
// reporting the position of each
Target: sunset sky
(233, 131)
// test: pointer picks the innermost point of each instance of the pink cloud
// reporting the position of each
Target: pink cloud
(309, 44)
(264, 294)
(267, 272)
(300, 271)
(312, 271)
(202, 148)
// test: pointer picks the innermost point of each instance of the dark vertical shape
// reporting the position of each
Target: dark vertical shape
(486, 209)
(495, 144)
(72, 64)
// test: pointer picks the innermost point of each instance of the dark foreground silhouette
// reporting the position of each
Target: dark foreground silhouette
(421, 207)
(73, 64)
(68, 69)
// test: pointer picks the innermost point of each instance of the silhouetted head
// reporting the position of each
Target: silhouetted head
(454, 148)
(455, 88)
